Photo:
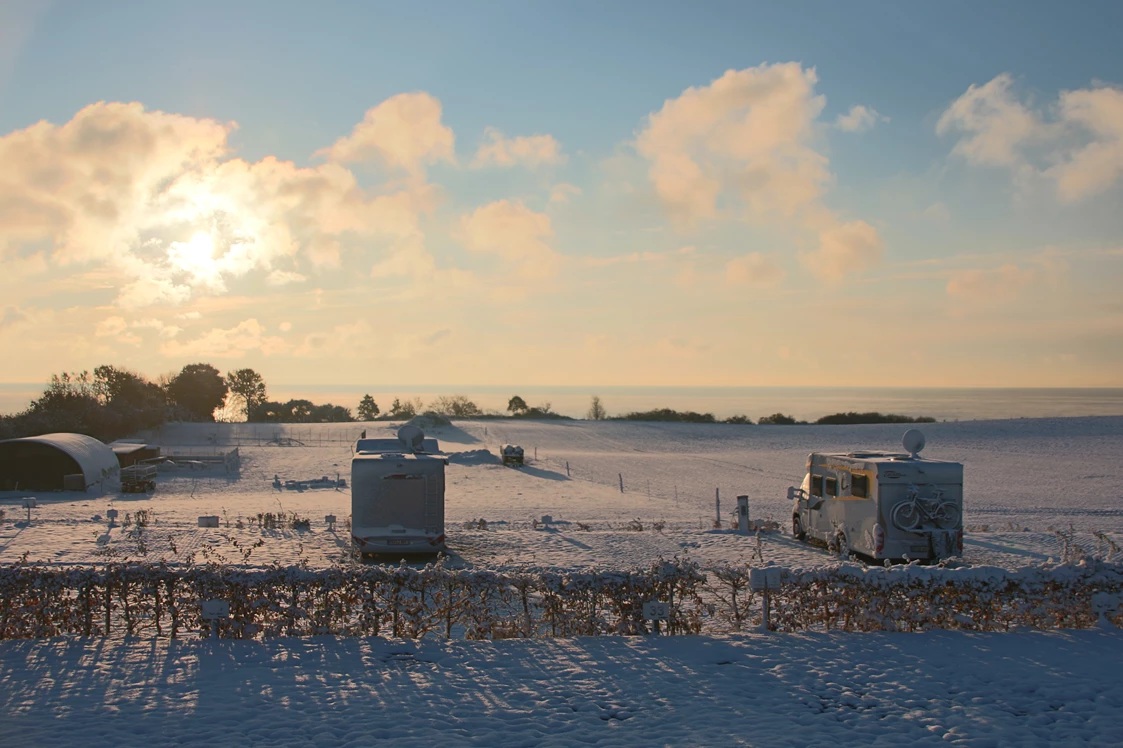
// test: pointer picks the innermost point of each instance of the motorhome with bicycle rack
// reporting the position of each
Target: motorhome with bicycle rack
(881, 505)
(398, 495)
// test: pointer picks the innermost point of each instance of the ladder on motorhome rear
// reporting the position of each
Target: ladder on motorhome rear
(432, 504)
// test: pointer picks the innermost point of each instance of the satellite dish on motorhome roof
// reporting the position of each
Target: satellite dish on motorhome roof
(913, 442)
(411, 436)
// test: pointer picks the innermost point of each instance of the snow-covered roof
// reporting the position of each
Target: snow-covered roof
(94, 457)
(877, 456)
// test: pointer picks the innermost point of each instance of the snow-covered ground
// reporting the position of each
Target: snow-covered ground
(937, 688)
(1025, 479)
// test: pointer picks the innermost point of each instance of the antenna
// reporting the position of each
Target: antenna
(913, 442)
(412, 437)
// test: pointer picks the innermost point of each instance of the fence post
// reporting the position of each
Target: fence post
(621, 477)
(567, 468)
(717, 506)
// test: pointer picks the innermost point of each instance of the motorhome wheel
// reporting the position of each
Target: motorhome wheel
(797, 528)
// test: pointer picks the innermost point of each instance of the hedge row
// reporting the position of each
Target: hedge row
(160, 600)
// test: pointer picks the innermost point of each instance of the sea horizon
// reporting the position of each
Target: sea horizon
(804, 403)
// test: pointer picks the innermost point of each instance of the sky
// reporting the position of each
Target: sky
(579, 193)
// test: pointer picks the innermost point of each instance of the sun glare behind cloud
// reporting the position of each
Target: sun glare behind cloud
(196, 257)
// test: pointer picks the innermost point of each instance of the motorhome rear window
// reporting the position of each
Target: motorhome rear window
(832, 486)
(860, 485)
(816, 485)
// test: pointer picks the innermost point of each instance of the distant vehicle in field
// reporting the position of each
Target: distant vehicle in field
(512, 454)
(398, 494)
(882, 505)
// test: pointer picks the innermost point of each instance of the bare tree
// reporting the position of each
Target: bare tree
(596, 410)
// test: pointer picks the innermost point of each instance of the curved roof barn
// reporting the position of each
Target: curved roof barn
(53, 462)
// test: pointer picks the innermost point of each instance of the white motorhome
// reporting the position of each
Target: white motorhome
(882, 505)
(398, 495)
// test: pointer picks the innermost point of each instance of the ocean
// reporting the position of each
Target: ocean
(804, 403)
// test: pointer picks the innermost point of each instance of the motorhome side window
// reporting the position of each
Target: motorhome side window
(860, 485)
(832, 486)
(816, 485)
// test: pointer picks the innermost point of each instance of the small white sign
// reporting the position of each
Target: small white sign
(767, 578)
(208, 520)
(214, 610)
(30, 503)
(654, 611)
(329, 518)
(111, 513)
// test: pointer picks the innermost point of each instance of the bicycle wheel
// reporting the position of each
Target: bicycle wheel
(947, 516)
(906, 515)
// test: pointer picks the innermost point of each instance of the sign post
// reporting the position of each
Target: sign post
(655, 612)
(743, 513)
(214, 611)
(29, 504)
(764, 580)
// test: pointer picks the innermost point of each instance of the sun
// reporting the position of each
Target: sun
(195, 256)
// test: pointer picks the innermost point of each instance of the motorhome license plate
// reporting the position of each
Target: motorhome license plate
(396, 541)
(912, 548)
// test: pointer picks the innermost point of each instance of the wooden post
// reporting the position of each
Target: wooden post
(567, 468)
(621, 477)
(717, 506)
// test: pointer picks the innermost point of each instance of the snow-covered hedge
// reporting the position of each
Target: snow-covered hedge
(915, 598)
(162, 600)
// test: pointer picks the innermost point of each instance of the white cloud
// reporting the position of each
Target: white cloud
(514, 233)
(1096, 164)
(682, 346)
(162, 329)
(10, 315)
(754, 269)
(747, 133)
(529, 151)
(995, 125)
(845, 248)
(111, 326)
(563, 191)
(634, 257)
(154, 201)
(859, 119)
(404, 132)
(745, 142)
(234, 342)
(1001, 283)
(937, 212)
(284, 277)
(1079, 147)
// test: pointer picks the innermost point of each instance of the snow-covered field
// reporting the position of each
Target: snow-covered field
(1025, 479)
(937, 688)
